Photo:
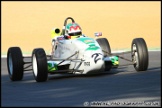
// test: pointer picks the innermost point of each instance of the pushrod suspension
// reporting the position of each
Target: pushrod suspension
(118, 55)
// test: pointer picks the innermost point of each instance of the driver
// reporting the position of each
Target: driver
(72, 30)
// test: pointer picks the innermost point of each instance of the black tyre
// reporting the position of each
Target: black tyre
(15, 63)
(140, 55)
(39, 63)
(104, 44)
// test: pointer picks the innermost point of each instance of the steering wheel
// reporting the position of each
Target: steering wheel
(65, 22)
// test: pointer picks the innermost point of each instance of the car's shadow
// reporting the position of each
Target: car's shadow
(29, 75)
(106, 73)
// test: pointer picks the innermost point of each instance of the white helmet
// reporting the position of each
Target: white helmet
(73, 30)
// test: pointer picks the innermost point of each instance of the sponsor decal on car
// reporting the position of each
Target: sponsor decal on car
(60, 38)
(92, 47)
(86, 40)
(86, 63)
(90, 42)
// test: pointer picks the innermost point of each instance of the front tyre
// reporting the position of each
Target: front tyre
(39, 62)
(104, 44)
(15, 63)
(139, 54)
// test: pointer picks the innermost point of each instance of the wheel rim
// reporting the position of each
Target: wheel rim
(10, 64)
(135, 56)
(35, 67)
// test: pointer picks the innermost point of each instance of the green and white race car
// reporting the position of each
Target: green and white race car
(74, 54)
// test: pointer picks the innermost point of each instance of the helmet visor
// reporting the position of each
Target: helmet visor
(75, 34)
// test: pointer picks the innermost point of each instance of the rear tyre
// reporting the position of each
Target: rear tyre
(139, 54)
(104, 44)
(15, 63)
(39, 62)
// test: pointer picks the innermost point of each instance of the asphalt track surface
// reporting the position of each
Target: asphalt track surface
(120, 87)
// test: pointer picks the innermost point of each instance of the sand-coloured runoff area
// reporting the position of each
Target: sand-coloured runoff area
(28, 24)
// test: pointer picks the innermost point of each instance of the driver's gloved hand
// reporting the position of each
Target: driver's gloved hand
(65, 36)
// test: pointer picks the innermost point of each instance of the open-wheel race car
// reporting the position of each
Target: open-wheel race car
(73, 53)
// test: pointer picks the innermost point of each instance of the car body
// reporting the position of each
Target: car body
(90, 57)
(81, 55)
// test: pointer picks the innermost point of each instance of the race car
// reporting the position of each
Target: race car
(73, 53)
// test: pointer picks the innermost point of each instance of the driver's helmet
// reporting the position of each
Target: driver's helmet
(73, 30)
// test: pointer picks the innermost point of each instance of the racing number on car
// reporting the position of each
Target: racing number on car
(96, 58)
